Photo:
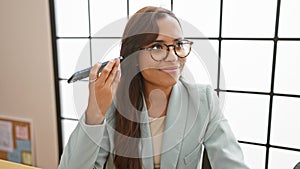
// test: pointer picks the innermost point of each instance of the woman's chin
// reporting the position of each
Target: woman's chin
(170, 79)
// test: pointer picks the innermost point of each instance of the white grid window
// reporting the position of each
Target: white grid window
(249, 52)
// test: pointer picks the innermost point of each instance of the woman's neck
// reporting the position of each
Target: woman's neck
(157, 99)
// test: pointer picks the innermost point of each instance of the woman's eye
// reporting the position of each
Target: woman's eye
(157, 46)
(179, 44)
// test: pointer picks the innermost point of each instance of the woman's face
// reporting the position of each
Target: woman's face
(164, 73)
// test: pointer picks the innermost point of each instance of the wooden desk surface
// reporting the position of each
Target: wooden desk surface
(11, 165)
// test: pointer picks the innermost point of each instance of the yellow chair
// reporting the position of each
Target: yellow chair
(11, 165)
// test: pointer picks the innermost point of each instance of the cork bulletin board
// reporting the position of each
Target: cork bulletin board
(16, 143)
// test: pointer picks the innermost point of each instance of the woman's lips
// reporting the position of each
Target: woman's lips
(170, 69)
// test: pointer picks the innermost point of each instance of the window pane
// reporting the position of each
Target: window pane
(245, 110)
(247, 65)
(285, 122)
(196, 12)
(73, 55)
(72, 18)
(251, 18)
(74, 98)
(202, 63)
(254, 156)
(66, 100)
(105, 49)
(67, 128)
(289, 25)
(287, 68)
(105, 18)
(280, 159)
(135, 5)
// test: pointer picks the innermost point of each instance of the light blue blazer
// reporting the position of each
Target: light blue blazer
(193, 120)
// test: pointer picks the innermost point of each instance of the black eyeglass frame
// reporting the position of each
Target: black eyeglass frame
(184, 41)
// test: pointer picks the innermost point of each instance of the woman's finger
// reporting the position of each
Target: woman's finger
(94, 71)
(106, 71)
(116, 79)
(112, 75)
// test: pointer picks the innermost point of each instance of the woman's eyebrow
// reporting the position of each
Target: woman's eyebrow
(159, 41)
(177, 39)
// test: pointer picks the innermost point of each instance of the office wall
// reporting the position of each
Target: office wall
(26, 71)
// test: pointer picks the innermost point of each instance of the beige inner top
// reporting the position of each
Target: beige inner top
(157, 127)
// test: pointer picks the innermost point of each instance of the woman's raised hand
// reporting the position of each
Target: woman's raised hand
(102, 89)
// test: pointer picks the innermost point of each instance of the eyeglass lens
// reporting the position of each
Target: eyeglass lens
(160, 50)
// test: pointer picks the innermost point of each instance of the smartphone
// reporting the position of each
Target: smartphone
(85, 72)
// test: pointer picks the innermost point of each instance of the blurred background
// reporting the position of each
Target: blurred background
(249, 51)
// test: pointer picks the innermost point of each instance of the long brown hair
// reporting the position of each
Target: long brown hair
(141, 30)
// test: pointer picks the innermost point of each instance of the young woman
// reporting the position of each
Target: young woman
(150, 117)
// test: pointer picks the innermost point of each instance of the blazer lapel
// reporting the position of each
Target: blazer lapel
(174, 126)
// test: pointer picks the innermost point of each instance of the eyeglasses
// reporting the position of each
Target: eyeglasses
(160, 51)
